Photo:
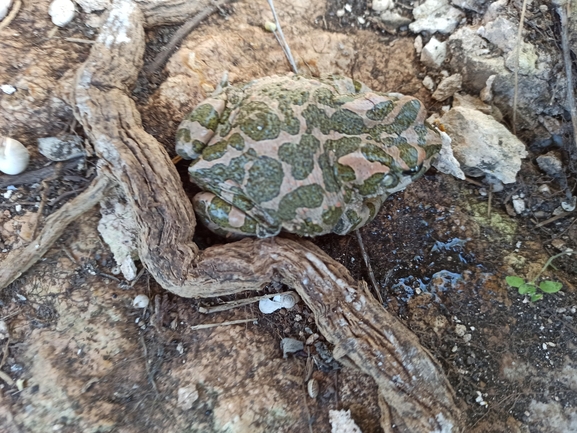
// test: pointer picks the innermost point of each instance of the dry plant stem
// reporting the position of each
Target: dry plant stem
(18, 261)
(15, 9)
(180, 34)
(564, 11)
(517, 49)
(368, 265)
(414, 394)
(35, 176)
(214, 325)
(282, 42)
(238, 303)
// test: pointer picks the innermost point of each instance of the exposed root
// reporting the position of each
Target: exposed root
(418, 397)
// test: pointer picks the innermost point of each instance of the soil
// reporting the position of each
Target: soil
(78, 357)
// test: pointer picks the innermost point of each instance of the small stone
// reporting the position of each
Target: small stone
(436, 16)
(4, 7)
(140, 301)
(486, 94)
(348, 8)
(382, 5)
(4, 333)
(460, 330)
(187, 396)
(447, 87)
(434, 53)
(7, 88)
(392, 21)
(290, 345)
(558, 244)
(429, 83)
(418, 44)
(467, 338)
(544, 189)
(569, 205)
(63, 148)
(341, 13)
(550, 163)
(518, 204)
(61, 12)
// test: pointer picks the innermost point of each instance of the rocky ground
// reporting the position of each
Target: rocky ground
(77, 356)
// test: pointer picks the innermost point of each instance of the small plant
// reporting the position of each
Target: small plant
(530, 287)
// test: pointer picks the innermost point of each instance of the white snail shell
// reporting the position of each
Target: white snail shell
(61, 12)
(288, 300)
(313, 388)
(14, 157)
(4, 7)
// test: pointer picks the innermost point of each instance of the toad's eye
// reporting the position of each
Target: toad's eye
(390, 180)
(414, 171)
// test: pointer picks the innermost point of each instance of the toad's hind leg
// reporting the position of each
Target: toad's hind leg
(198, 128)
(223, 218)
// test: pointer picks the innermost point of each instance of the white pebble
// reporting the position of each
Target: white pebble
(7, 88)
(341, 13)
(4, 7)
(361, 20)
(382, 5)
(14, 157)
(140, 301)
(348, 8)
(518, 204)
(61, 12)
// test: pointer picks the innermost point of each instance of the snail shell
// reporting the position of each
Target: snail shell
(313, 388)
(14, 157)
(288, 300)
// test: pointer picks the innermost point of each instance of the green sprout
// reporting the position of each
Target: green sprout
(530, 287)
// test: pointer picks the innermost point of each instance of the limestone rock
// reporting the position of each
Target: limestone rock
(447, 87)
(434, 53)
(482, 145)
(436, 16)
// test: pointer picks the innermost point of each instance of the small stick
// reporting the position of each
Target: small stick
(553, 219)
(6, 22)
(147, 366)
(19, 261)
(283, 43)
(79, 41)
(237, 303)
(567, 60)
(180, 34)
(35, 176)
(517, 49)
(368, 265)
(490, 201)
(214, 325)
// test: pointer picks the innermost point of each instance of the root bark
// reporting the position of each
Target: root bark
(414, 394)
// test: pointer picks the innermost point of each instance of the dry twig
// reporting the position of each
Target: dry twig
(214, 325)
(13, 12)
(237, 303)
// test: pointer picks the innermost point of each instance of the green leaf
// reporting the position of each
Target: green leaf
(550, 286)
(514, 281)
(527, 288)
(536, 297)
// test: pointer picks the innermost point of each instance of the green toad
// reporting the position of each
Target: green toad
(302, 155)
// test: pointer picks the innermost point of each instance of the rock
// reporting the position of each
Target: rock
(382, 5)
(494, 10)
(61, 12)
(468, 101)
(341, 422)
(429, 83)
(89, 6)
(518, 204)
(418, 44)
(527, 60)
(501, 32)
(8, 89)
(392, 21)
(483, 145)
(486, 93)
(436, 16)
(551, 164)
(4, 8)
(61, 148)
(447, 87)
(187, 396)
(434, 53)
(471, 5)
(470, 55)
(446, 162)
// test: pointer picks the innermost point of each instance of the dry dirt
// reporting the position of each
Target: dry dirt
(83, 359)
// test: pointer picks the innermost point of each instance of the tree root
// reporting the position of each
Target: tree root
(414, 394)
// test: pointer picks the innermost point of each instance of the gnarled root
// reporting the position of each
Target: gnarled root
(414, 394)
